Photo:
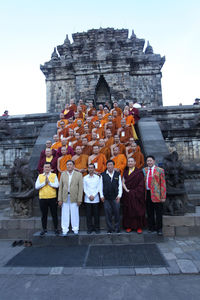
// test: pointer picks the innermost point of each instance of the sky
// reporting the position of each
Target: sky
(30, 29)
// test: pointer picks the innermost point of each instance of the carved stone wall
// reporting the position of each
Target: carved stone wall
(103, 64)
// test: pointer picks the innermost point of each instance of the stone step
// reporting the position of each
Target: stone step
(102, 238)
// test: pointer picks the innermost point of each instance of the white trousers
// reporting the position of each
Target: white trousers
(70, 211)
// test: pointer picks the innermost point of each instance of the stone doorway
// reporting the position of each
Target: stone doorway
(102, 92)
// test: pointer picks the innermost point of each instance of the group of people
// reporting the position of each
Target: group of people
(95, 158)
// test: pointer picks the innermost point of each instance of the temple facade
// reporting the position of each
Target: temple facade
(103, 65)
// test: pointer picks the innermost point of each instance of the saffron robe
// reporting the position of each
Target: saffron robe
(120, 162)
(87, 150)
(100, 163)
(134, 200)
(63, 163)
(106, 151)
(82, 163)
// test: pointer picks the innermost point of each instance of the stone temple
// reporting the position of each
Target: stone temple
(103, 65)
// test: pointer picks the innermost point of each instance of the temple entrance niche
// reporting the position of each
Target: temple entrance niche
(102, 92)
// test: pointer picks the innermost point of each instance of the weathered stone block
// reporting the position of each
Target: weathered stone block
(182, 231)
(168, 230)
(179, 220)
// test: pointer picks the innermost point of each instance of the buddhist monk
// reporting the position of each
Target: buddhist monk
(100, 118)
(71, 123)
(116, 108)
(122, 148)
(129, 118)
(133, 198)
(89, 123)
(106, 113)
(94, 116)
(62, 161)
(62, 131)
(110, 125)
(57, 143)
(72, 105)
(86, 149)
(62, 118)
(83, 106)
(90, 109)
(120, 161)
(86, 133)
(81, 114)
(48, 157)
(124, 132)
(134, 111)
(100, 111)
(134, 152)
(117, 119)
(94, 140)
(79, 128)
(65, 144)
(71, 138)
(98, 130)
(77, 142)
(67, 112)
(98, 159)
(81, 161)
(103, 149)
(48, 145)
(109, 139)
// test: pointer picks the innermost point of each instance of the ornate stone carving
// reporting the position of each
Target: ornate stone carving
(22, 188)
(177, 200)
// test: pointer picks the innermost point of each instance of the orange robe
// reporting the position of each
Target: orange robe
(109, 142)
(122, 148)
(63, 163)
(117, 121)
(100, 163)
(94, 119)
(63, 120)
(90, 111)
(84, 107)
(106, 151)
(88, 136)
(79, 130)
(125, 134)
(78, 143)
(87, 150)
(139, 158)
(120, 162)
(118, 110)
(82, 163)
(99, 131)
(106, 117)
(56, 145)
(63, 133)
(129, 120)
(113, 128)
(73, 107)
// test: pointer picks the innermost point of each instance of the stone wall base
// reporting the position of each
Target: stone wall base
(187, 225)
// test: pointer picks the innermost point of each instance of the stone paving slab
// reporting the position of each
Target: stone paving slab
(181, 254)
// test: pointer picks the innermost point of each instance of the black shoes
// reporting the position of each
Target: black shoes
(97, 231)
(43, 232)
(89, 231)
(159, 232)
(109, 231)
(57, 232)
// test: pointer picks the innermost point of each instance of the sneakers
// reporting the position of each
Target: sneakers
(43, 232)
(128, 230)
(159, 232)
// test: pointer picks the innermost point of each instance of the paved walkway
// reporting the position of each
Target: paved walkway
(181, 254)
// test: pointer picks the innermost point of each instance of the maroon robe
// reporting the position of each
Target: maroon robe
(69, 114)
(42, 161)
(134, 201)
(135, 112)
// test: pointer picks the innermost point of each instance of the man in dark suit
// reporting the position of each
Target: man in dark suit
(110, 193)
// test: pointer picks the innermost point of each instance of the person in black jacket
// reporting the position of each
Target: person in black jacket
(110, 193)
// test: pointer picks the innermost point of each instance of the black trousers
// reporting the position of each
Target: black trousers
(154, 213)
(92, 210)
(111, 207)
(44, 205)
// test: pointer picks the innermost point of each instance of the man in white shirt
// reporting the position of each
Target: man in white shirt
(110, 193)
(47, 183)
(91, 187)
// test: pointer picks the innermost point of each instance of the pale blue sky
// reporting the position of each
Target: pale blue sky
(29, 30)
